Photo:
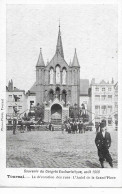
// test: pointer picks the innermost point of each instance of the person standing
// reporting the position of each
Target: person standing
(84, 127)
(75, 127)
(68, 127)
(14, 125)
(72, 127)
(21, 126)
(80, 127)
(103, 143)
(50, 126)
(62, 127)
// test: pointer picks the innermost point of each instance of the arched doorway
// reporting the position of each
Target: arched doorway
(56, 114)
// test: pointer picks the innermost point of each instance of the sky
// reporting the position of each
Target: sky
(91, 29)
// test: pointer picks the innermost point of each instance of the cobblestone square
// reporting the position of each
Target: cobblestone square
(47, 149)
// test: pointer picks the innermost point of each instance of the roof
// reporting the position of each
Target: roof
(59, 47)
(57, 59)
(84, 86)
(17, 90)
(14, 90)
(40, 61)
(75, 62)
(33, 89)
(103, 82)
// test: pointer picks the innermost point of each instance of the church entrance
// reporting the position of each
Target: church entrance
(56, 114)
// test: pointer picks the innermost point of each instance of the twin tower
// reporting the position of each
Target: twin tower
(58, 79)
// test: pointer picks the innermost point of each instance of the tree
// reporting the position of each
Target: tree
(74, 111)
(39, 111)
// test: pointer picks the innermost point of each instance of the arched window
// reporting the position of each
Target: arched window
(51, 75)
(64, 94)
(58, 74)
(64, 76)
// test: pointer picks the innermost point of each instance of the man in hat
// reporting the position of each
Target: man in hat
(103, 142)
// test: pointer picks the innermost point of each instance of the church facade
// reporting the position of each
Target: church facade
(57, 84)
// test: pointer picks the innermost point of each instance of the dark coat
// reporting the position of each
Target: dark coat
(50, 127)
(71, 125)
(80, 126)
(75, 126)
(101, 141)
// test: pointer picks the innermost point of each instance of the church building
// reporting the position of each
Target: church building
(57, 84)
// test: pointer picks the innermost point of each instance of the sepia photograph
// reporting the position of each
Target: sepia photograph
(60, 94)
(62, 86)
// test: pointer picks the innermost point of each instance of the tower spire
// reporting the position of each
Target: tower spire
(59, 24)
(40, 61)
(59, 47)
(75, 60)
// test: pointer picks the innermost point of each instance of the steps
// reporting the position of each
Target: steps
(57, 124)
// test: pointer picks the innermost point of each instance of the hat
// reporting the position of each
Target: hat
(103, 124)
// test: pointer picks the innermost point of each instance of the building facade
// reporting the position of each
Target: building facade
(103, 103)
(57, 84)
(16, 99)
(84, 96)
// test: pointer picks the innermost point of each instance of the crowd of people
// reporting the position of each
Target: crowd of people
(74, 126)
(71, 126)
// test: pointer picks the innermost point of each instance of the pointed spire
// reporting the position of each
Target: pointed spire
(75, 60)
(59, 47)
(40, 61)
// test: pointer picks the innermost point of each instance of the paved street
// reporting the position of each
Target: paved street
(46, 149)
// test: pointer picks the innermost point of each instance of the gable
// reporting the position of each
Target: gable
(57, 59)
(103, 82)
